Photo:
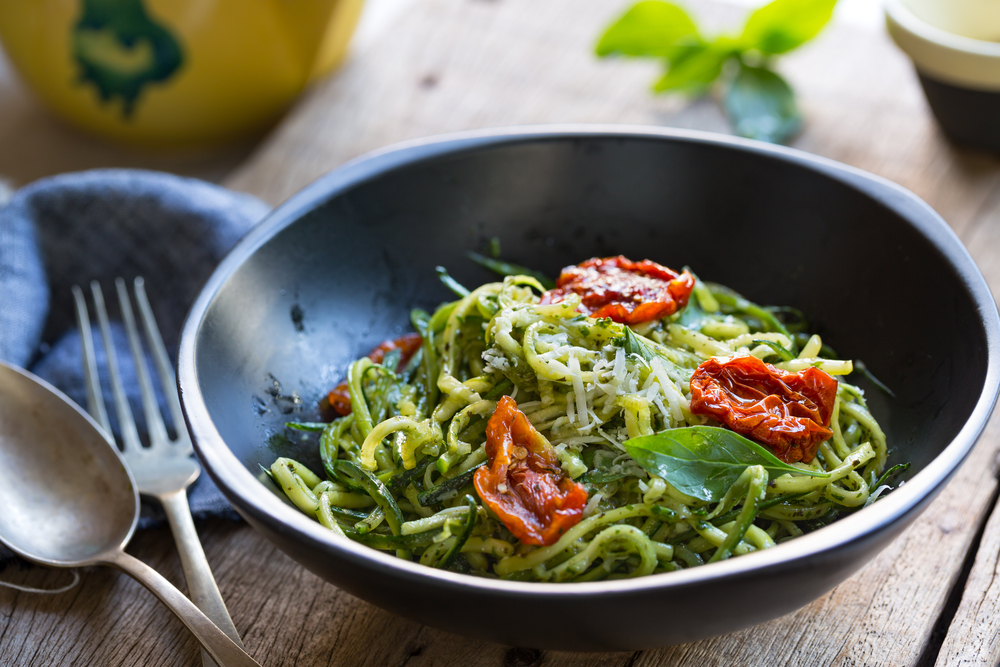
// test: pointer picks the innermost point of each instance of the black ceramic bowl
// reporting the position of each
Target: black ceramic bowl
(337, 268)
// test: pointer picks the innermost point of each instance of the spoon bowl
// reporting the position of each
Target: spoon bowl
(73, 503)
(69, 499)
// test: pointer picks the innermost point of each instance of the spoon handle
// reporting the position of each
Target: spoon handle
(222, 649)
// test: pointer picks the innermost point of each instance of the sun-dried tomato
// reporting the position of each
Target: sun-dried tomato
(626, 291)
(340, 397)
(789, 412)
(523, 483)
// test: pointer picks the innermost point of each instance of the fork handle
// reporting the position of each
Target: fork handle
(201, 584)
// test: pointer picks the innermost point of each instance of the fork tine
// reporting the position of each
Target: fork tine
(154, 422)
(166, 370)
(95, 397)
(130, 437)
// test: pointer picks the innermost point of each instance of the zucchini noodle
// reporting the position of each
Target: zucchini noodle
(399, 468)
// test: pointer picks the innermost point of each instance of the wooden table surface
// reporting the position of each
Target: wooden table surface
(931, 598)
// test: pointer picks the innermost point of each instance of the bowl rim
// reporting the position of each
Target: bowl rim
(236, 481)
(948, 56)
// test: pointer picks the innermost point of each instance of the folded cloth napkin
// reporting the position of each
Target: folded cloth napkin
(97, 225)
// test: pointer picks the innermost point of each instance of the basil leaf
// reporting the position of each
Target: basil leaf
(694, 69)
(390, 361)
(761, 105)
(897, 469)
(782, 353)
(306, 426)
(704, 461)
(861, 368)
(650, 28)
(785, 24)
(728, 297)
(509, 269)
(420, 318)
(611, 473)
(451, 283)
(693, 317)
(633, 344)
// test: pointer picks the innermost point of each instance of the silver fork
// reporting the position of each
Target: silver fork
(165, 469)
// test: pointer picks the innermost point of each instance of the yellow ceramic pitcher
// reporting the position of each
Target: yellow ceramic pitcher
(174, 72)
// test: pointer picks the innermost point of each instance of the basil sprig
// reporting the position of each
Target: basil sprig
(452, 284)
(705, 461)
(759, 103)
(503, 268)
(633, 344)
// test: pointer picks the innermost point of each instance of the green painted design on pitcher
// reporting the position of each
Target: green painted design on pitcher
(121, 50)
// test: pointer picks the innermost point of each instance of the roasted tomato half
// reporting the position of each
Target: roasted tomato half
(340, 397)
(789, 412)
(626, 291)
(523, 483)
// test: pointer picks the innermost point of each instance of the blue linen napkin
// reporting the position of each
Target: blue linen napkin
(97, 225)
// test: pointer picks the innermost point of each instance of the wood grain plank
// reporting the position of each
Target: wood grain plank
(974, 635)
(107, 619)
(451, 65)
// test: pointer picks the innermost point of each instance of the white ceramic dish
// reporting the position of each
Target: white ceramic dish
(955, 48)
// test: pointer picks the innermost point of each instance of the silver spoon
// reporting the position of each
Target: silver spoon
(69, 500)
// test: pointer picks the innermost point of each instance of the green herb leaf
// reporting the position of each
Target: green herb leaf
(374, 488)
(499, 389)
(732, 299)
(693, 317)
(400, 480)
(694, 69)
(704, 461)
(897, 469)
(420, 318)
(507, 269)
(861, 368)
(447, 489)
(634, 344)
(782, 25)
(470, 522)
(306, 426)
(793, 318)
(782, 353)
(649, 28)
(390, 361)
(612, 473)
(389, 542)
(451, 283)
(761, 105)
